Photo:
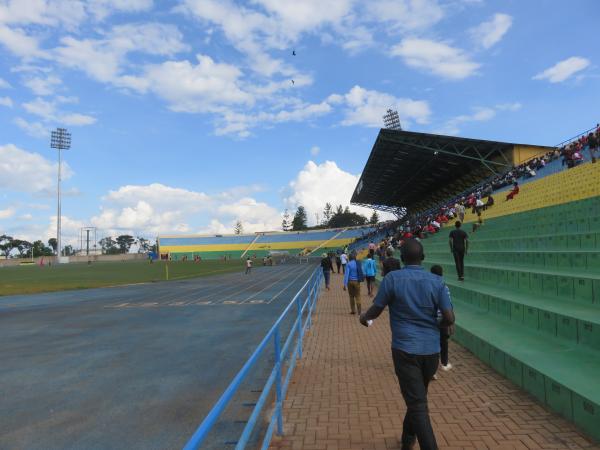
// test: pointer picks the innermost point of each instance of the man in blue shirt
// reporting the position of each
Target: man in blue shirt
(353, 276)
(414, 297)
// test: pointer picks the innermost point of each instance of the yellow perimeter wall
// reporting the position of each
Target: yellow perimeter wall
(292, 245)
(522, 153)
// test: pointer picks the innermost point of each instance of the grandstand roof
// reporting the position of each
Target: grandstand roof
(416, 170)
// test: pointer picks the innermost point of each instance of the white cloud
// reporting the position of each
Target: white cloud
(241, 123)
(19, 42)
(7, 213)
(102, 8)
(563, 70)
(479, 114)
(18, 165)
(42, 86)
(405, 15)
(68, 13)
(509, 106)
(489, 33)
(4, 84)
(103, 59)
(157, 208)
(203, 87)
(6, 101)
(366, 107)
(314, 150)
(317, 184)
(438, 58)
(48, 112)
(35, 129)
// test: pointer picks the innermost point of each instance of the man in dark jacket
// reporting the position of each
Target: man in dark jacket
(390, 263)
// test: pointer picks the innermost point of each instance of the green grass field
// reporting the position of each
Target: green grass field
(34, 279)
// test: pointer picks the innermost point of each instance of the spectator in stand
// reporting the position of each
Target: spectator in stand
(327, 267)
(370, 270)
(593, 146)
(513, 192)
(413, 297)
(459, 246)
(353, 276)
(490, 202)
(390, 263)
(372, 246)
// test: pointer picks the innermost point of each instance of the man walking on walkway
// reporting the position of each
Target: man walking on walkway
(459, 246)
(353, 276)
(414, 297)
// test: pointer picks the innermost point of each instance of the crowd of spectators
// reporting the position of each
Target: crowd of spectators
(480, 198)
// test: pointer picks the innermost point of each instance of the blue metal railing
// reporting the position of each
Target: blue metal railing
(303, 309)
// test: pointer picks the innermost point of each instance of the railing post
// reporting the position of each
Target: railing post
(309, 305)
(299, 307)
(279, 404)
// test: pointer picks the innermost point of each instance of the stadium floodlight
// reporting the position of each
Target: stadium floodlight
(391, 120)
(60, 140)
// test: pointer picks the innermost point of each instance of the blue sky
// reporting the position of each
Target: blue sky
(185, 118)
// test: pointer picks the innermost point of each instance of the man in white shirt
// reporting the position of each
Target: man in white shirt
(344, 259)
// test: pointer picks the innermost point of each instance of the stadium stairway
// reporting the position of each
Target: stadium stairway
(530, 304)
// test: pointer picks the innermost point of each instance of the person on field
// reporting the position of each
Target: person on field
(370, 270)
(338, 261)
(390, 263)
(327, 267)
(344, 261)
(414, 297)
(248, 265)
(459, 246)
(353, 276)
(445, 330)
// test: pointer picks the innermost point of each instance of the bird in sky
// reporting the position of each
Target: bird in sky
(293, 52)
(293, 82)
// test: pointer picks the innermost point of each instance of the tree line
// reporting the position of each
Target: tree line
(331, 217)
(109, 246)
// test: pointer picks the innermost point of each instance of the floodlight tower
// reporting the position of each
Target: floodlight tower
(60, 140)
(391, 120)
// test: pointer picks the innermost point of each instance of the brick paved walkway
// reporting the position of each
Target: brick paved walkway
(344, 395)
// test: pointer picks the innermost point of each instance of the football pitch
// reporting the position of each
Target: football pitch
(32, 279)
(136, 367)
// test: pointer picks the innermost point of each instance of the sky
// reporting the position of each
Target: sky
(189, 115)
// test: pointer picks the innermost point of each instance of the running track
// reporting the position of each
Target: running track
(133, 367)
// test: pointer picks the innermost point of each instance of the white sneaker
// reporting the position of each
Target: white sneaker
(447, 367)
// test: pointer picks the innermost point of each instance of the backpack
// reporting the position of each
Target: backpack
(361, 274)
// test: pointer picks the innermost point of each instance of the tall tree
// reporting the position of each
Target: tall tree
(39, 249)
(286, 224)
(68, 250)
(327, 213)
(347, 219)
(23, 247)
(109, 245)
(339, 210)
(299, 220)
(239, 227)
(125, 241)
(143, 245)
(53, 243)
(6, 244)
(374, 220)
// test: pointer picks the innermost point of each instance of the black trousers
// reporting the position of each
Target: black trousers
(459, 261)
(444, 336)
(338, 264)
(414, 373)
